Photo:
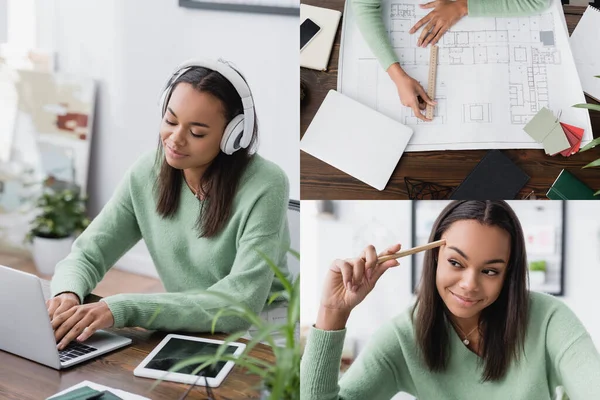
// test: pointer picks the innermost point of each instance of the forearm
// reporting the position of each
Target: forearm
(106, 239)
(249, 282)
(370, 23)
(331, 319)
(177, 312)
(506, 8)
(320, 365)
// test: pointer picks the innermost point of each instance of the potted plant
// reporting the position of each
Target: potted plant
(61, 217)
(537, 273)
(595, 142)
(280, 381)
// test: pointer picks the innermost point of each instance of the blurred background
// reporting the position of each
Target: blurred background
(80, 83)
(562, 240)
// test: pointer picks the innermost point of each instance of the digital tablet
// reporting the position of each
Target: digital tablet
(176, 348)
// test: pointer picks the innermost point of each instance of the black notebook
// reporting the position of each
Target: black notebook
(496, 177)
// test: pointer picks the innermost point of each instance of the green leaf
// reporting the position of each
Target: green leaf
(248, 313)
(286, 284)
(295, 253)
(282, 377)
(591, 145)
(595, 107)
(247, 362)
(277, 295)
(206, 360)
(594, 163)
(153, 317)
(259, 336)
(597, 193)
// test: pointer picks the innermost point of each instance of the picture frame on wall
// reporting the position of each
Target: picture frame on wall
(281, 7)
(543, 226)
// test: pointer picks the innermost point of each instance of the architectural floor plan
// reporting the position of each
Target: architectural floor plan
(494, 75)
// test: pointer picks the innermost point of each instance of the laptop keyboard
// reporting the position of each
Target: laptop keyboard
(74, 350)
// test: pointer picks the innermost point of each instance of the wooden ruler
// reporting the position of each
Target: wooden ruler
(431, 79)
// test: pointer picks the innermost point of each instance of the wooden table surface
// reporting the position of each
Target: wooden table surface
(21, 379)
(321, 181)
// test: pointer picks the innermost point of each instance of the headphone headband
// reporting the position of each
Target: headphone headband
(229, 73)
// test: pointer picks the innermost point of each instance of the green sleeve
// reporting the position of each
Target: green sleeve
(574, 357)
(249, 281)
(378, 373)
(506, 8)
(110, 235)
(320, 365)
(369, 18)
(370, 23)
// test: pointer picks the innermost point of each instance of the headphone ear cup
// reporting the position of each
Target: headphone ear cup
(232, 135)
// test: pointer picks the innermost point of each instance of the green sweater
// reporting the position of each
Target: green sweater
(228, 263)
(558, 351)
(370, 22)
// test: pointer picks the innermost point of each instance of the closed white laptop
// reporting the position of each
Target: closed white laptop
(25, 328)
(356, 139)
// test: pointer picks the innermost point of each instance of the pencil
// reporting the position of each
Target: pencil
(414, 250)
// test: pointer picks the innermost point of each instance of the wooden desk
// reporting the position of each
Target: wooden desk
(321, 181)
(21, 379)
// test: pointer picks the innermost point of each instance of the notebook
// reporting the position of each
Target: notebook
(496, 177)
(568, 187)
(316, 53)
(87, 388)
(356, 139)
(584, 45)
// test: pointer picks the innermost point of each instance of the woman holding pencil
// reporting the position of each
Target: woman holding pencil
(474, 332)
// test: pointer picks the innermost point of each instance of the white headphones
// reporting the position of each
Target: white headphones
(238, 133)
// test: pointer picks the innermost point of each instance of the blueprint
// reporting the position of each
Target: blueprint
(493, 76)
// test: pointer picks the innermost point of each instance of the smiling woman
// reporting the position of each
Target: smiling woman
(207, 206)
(474, 332)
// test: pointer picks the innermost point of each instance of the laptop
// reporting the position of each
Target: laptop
(25, 328)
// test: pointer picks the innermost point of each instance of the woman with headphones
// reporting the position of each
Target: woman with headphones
(206, 206)
(443, 15)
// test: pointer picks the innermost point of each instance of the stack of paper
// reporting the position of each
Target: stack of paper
(555, 136)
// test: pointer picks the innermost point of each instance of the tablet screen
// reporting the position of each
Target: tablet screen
(177, 350)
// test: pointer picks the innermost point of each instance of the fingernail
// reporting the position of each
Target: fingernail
(354, 288)
(348, 287)
(80, 339)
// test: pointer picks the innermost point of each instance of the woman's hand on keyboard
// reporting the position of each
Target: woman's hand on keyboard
(61, 303)
(80, 322)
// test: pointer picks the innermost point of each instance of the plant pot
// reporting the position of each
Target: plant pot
(48, 252)
(537, 278)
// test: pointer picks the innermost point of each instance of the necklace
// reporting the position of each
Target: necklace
(196, 192)
(466, 339)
